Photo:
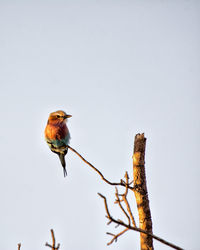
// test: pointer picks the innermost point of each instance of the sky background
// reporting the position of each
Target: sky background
(119, 68)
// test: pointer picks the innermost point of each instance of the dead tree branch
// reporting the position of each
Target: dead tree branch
(140, 191)
(115, 236)
(127, 226)
(118, 201)
(53, 246)
(99, 172)
(124, 197)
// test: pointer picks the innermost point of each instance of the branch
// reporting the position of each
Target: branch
(19, 246)
(119, 222)
(115, 236)
(53, 242)
(141, 193)
(120, 205)
(95, 169)
(124, 197)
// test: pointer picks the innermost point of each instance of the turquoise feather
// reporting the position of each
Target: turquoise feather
(59, 143)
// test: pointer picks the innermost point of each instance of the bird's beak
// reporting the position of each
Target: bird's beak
(67, 116)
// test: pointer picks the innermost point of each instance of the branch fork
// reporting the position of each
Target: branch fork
(53, 246)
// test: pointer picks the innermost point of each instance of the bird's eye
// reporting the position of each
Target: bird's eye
(58, 116)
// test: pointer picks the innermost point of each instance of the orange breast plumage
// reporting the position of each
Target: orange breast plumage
(58, 134)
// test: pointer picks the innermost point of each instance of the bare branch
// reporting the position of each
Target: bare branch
(53, 238)
(127, 185)
(120, 205)
(140, 191)
(115, 236)
(129, 210)
(119, 222)
(124, 197)
(95, 169)
(19, 246)
(106, 206)
(110, 234)
(53, 246)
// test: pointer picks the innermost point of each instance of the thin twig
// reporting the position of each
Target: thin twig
(115, 236)
(53, 246)
(124, 197)
(126, 183)
(119, 222)
(95, 169)
(19, 246)
(120, 205)
(129, 210)
(106, 206)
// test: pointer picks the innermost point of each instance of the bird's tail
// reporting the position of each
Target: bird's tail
(62, 160)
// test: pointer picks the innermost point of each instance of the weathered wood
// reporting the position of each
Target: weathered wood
(140, 191)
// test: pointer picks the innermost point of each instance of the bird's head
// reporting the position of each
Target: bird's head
(58, 117)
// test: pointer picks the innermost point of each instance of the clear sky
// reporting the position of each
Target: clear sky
(119, 68)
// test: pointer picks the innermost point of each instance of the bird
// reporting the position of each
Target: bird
(57, 135)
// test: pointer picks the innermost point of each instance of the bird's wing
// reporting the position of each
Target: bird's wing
(57, 146)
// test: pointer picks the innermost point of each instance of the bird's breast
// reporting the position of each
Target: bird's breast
(56, 132)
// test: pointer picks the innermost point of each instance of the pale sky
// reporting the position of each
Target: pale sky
(119, 68)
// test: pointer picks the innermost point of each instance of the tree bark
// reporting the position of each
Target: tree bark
(140, 191)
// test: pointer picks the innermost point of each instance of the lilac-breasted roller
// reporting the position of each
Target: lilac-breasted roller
(57, 135)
